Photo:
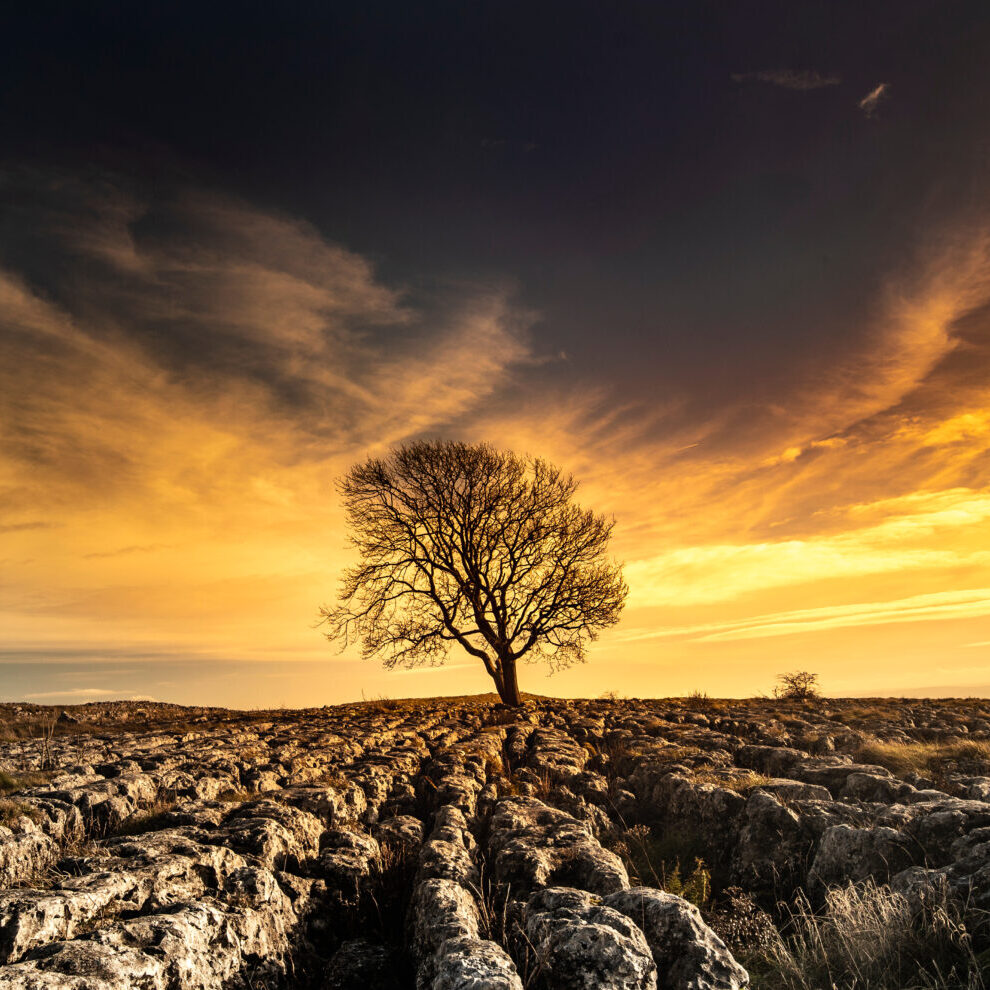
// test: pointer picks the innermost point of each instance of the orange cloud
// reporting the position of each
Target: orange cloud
(173, 414)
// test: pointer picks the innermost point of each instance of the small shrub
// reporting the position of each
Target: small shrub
(698, 701)
(382, 703)
(668, 861)
(742, 924)
(695, 886)
(799, 685)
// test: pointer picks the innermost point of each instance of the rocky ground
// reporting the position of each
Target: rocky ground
(454, 843)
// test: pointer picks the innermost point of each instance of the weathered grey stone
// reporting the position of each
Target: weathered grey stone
(847, 853)
(440, 909)
(771, 845)
(402, 832)
(713, 815)
(584, 945)
(688, 954)
(214, 891)
(348, 862)
(467, 963)
(795, 790)
(873, 787)
(774, 761)
(278, 834)
(533, 845)
(833, 772)
(24, 850)
(30, 918)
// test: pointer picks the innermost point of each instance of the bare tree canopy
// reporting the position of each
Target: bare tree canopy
(462, 543)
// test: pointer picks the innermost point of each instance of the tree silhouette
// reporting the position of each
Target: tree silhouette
(463, 543)
(799, 685)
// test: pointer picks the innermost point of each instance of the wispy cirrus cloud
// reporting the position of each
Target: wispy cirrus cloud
(126, 551)
(937, 606)
(870, 103)
(897, 409)
(178, 399)
(189, 344)
(800, 80)
(24, 526)
(921, 532)
(854, 495)
(87, 694)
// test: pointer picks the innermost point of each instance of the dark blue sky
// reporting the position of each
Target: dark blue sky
(666, 211)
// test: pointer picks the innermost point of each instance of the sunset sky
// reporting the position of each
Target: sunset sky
(727, 263)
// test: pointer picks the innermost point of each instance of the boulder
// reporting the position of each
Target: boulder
(467, 963)
(688, 954)
(846, 853)
(585, 945)
(349, 861)
(533, 845)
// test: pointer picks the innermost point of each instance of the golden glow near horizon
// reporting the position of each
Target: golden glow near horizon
(837, 521)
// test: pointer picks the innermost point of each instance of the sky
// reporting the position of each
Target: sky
(729, 264)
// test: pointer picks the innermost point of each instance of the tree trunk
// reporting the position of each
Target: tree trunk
(507, 685)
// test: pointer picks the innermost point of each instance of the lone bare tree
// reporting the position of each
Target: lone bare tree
(463, 543)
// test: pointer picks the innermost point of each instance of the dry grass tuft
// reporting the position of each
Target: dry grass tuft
(867, 937)
(388, 898)
(149, 819)
(741, 781)
(10, 811)
(699, 701)
(936, 760)
(10, 783)
(501, 921)
(233, 796)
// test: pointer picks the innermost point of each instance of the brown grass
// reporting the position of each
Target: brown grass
(11, 783)
(699, 701)
(234, 796)
(10, 811)
(867, 937)
(970, 757)
(742, 781)
(149, 819)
